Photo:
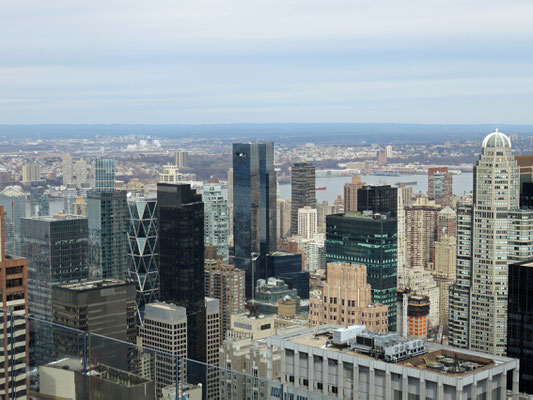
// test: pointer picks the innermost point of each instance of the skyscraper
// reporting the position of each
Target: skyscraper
(67, 169)
(104, 174)
(39, 200)
(254, 208)
(496, 193)
(13, 199)
(181, 258)
(307, 222)
(31, 172)
(302, 190)
(421, 232)
(14, 383)
(350, 193)
(372, 241)
(182, 159)
(216, 223)
(440, 185)
(142, 250)
(381, 199)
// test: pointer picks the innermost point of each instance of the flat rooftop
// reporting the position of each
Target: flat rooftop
(458, 362)
(94, 284)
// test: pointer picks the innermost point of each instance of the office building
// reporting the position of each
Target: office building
(14, 356)
(283, 217)
(417, 316)
(142, 250)
(39, 201)
(104, 307)
(496, 193)
(104, 174)
(108, 233)
(164, 328)
(421, 232)
(445, 272)
(182, 159)
(216, 221)
(181, 258)
(267, 294)
(70, 194)
(288, 266)
(520, 319)
(315, 366)
(404, 200)
(67, 170)
(350, 193)
(254, 208)
(307, 223)
(230, 206)
(227, 284)
(13, 199)
(369, 240)
(459, 297)
(31, 173)
(440, 185)
(345, 299)
(80, 172)
(381, 199)
(302, 191)
(213, 342)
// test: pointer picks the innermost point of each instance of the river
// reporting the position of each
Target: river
(335, 185)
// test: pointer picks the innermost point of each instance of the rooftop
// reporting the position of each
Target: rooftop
(95, 284)
(496, 139)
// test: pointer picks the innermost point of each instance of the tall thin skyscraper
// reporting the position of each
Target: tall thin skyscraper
(254, 209)
(216, 219)
(182, 159)
(67, 169)
(302, 191)
(350, 193)
(440, 185)
(13, 199)
(104, 174)
(181, 258)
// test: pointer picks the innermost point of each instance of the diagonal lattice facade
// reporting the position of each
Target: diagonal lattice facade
(142, 250)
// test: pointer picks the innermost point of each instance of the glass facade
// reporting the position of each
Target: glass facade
(302, 191)
(181, 258)
(370, 241)
(14, 202)
(381, 199)
(254, 208)
(142, 250)
(216, 223)
(108, 238)
(104, 174)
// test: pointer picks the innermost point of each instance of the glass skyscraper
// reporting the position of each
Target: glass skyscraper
(372, 241)
(142, 250)
(104, 174)
(14, 202)
(302, 191)
(216, 224)
(254, 208)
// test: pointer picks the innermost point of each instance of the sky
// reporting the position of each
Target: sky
(213, 61)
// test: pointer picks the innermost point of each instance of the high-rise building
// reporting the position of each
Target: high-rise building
(69, 198)
(39, 201)
(421, 232)
(302, 190)
(422, 282)
(381, 199)
(254, 208)
(371, 241)
(283, 216)
(404, 199)
(345, 300)
(13, 199)
(142, 250)
(496, 193)
(57, 252)
(417, 316)
(350, 193)
(80, 171)
(164, 328)
(307, 222)
(216, 222)
(445, 273)
(14, 356)
(181, 258)
(104, 307)
(31, 173)
(230, 206)
(213, 342)
(520, 317)
(104, 174)
(459, 298)
(226, 283)
(440, 185)
(446, 223)
(67, 169)
(108, 234)
(182, 159)
(388, 151)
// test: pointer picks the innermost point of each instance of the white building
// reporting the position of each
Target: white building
(421, 281)
(307, 222)
(216, 221)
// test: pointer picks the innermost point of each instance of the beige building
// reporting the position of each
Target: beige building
(346, 300)
(227, 284)
(350, 193)
(307, 223)
(283, 217)
(172, 174)
(420, 281)
(31, 172)
(421, 232)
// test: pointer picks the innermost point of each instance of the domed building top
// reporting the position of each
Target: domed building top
(496, 139)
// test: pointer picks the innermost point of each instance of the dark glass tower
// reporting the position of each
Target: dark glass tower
(104, 174)
(302, 191)
(520, 321)
(181, 258)
(370, 241)
(378, 199)
(254, 209)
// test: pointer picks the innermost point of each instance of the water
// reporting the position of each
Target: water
(335, 185)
